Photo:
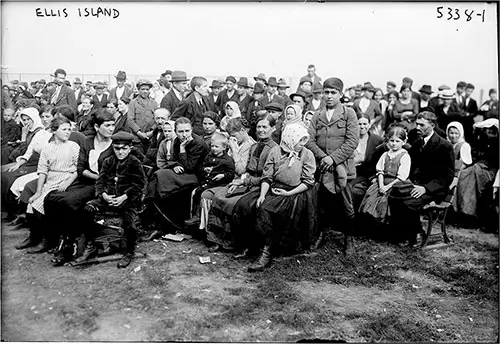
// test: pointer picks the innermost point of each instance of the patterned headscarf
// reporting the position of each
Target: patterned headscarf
(292, 134)
(297, 117)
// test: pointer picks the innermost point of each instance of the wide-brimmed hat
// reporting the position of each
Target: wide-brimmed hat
(121, 75)
(261, 76)
(178, 76)
(258, 88)
(426, 89)
(317, 87)
(282, 83)
(305, 79)
(446, 94)
(167, 72)
(216, 84)
(401, 190)
(274, 106)
(77, 81)
(243, 82)
(300, 94)
(143, 82)
(272, 81)
(58, 71)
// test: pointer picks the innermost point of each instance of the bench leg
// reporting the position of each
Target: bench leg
(430, 222)
(443, 227)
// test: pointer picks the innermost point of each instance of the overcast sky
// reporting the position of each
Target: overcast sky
(354, 41)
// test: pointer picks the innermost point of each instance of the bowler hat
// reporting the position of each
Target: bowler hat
(391, 83)
(261, 76)
(144, 82)
(300, 94)
(282, 83)
(243, 82)
(446, 94)
(122, 137)
(272, 81)
(426, 89)
(58, 71)
(178, 76)
(305, 79)
(231, 79)
(317, 87)
(77, 81)
(121, 75)
(274, 106)
(258, 88)
(334, 83)
(216, 84)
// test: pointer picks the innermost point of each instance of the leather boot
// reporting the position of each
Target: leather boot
(125, 260)
(28, 242)
(263, 261)
(194, 221)
(90, 252)
(44, 246)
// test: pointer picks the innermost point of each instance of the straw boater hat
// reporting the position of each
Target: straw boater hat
(446, 94)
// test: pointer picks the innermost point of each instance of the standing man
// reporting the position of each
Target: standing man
(459, 95)
(100, 99)
(317, 102)
(141, 112)
(261, 78)
(214, 95)
(229, 94)
(195, 105)
(470, 111)
(282, 86)
(311, 74)
(271, 95)
(244, 99)
(164, 81)
(121, 91)
(176, 93)
(62, 95)
(432, 171)
(78, 89)
(334, 136)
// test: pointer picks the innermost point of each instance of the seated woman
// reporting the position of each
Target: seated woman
(239, 149)
(224, 229)
(84, 117)
(406, 108)
(119, 188)
(37, 138)
(286, 217)
(122, 121)
(474, 187)
(461, 149)
(56, 171)
(210, 123)
(165, 150)
(393, 167)
(378, 128)
(171, 186)
(392, 97)
(155, 135)
(65, 208)
(364, 160)
(232, 111)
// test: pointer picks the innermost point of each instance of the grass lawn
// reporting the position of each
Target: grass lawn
(378, 293)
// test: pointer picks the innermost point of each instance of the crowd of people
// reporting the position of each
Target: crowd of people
(245, 166)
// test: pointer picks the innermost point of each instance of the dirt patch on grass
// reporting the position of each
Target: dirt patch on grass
(379, 292)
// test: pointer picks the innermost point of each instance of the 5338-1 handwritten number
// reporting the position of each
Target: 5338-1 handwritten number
(469, 15)
(440, 14)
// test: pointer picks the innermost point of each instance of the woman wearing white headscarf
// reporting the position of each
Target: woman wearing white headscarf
(461, 149)
(286, 217)
(232, 111)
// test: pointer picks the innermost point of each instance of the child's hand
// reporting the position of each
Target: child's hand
(383, 189)
(260, 200)
(118, 201)
(34, 197)
(218, 177)
(179, 169)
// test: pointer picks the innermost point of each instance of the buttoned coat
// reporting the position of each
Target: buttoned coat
(127, 94)
(337, 138)
(170, 101)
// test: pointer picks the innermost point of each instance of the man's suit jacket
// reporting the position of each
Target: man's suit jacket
(373, 109)
(224, 98)
(78, 95)
(66, 97)
(212, 104)
(244, 105)
(433, 166)
(170, 101)
(367, 168)
(191, 109)
(276, 99)
(471, 108)
(100, 104)
(127, 93)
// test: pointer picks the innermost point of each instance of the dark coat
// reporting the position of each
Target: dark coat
(78, 95)
(122, 123)
(454, 114)
(127, 93)
(170, 101)
(471, 108)
(244, 105)
(433, 166)
(100, 104)
(337, 138)
(367, 167)
(66, 97)
(11, 131)
(122, 177)
(212, 104)
(219, 165)
(373, 109)
(154, 144)
(224, 98)
(276, 99)
(190, 108)
(196, 151)
(83, 159)
(309, 106)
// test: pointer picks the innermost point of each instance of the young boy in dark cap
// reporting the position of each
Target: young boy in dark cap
(119, 188)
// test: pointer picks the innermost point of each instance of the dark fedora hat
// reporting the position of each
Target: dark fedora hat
(121, 75)
(216, 84)
(272, 81)
(402, 190)
(261, 76)
(299, 94)
(258, 88)
(243, 82)
(167, 72)
(58, 71)
(426, 89)
(179, 75)
(282, 83)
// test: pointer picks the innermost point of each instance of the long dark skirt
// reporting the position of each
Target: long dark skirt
(375, 204)
(289, 223)
(8, 179)
(64, 210)
(222, 229)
